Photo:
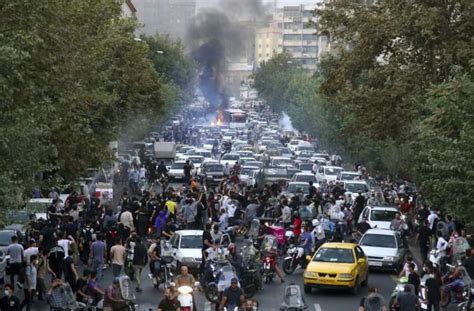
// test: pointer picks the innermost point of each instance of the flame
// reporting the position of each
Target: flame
(220, 118)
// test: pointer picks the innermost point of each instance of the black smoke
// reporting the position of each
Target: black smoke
(217, 36)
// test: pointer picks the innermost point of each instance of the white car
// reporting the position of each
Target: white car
(348, 175)
(187, 246)
(379, 217)
(384, 249)
(205, 153)
(305, 177)
(305, 167)
(353, 187)
(208, 144)
(328, 173)
(293, 144)
(176, 170)
(230, 158)
(247, 174)
(281, 162)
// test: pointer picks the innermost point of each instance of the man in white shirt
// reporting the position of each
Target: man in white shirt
(31, 250)
(126, 219)
(431, 219)
(65, 243)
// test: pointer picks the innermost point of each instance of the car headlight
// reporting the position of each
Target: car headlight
(310, 274)
(345, 276)
(389, 258)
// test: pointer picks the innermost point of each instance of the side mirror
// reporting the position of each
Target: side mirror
(308, 258)
(361, 261)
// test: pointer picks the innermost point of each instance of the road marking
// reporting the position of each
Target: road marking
(317, 307)
(207, 306)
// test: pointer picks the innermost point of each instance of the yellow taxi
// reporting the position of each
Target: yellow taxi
(337, 265)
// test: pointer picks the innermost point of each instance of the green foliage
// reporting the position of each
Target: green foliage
(397, 50)
(71, 78)
(273, 77)
(445, 146)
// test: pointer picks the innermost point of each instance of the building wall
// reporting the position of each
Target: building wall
(267, 43)
(171, 17)
(293, 29)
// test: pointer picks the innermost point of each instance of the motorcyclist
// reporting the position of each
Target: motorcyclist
(233, 296)
(235, 259)
(318, 235)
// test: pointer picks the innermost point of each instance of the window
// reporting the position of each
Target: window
(292, 37)
(359, 253)
(310, 49)
(292, 25)
(310, 37)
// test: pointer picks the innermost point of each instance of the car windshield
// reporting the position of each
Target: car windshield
(196, 160)
(215, 168)
(205, 154)
(282, 162)
(332, 171)
(292, 188)
(378, 240)
(352, 187)
(178, 165)
(348, 176)
(382, 215)
(275, 172)
(305, 178)
(191, 241)
(234, 157)
(6, 237)
(247, 171)
(306, 167)
(336, 255)
(20, 217)
(255, 163)
(306, 148)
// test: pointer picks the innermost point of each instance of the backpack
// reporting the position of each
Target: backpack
(87, 234)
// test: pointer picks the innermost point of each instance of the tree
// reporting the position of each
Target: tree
(273, 77)
(445, 146)
(72, 77)
(389, 54)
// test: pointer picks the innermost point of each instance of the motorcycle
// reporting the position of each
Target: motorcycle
(269, 251)
(295, 256)
(399, 287)
(128, 294)
(461, 291)
(185, 296)
(163, 273)
(222, 274)
(293, 299)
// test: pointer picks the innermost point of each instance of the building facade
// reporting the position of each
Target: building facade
(172, 17)
(294, 29)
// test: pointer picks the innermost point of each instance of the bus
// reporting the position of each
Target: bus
(235, 118)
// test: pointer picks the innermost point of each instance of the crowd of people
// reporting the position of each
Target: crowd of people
(85, 234)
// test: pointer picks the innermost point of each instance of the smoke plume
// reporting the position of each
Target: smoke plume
(219, 35)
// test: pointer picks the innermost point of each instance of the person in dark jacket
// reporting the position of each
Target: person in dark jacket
(140, 259)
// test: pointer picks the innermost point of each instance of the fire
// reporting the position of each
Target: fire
(220, 118)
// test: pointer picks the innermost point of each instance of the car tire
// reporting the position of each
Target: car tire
(355, 289)
(307, 289)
